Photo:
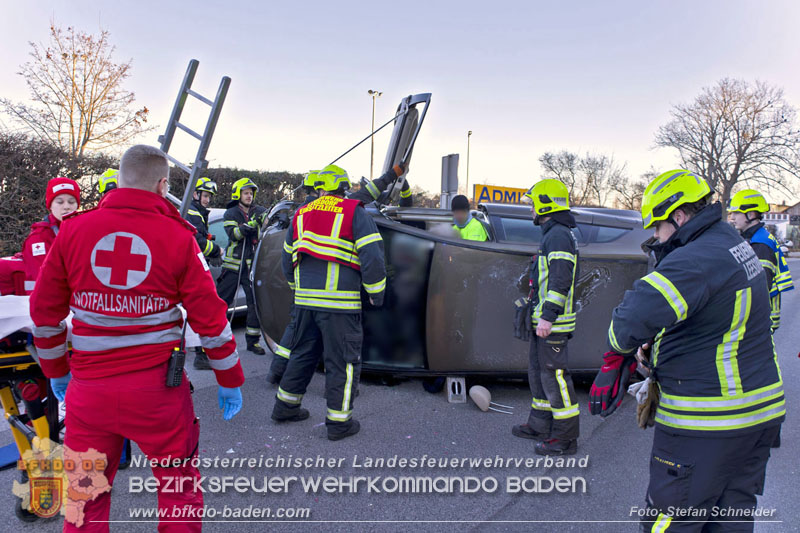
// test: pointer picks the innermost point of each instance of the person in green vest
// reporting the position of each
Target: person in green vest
(465, 224)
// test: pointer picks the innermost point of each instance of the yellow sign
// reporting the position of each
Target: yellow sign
(498, 195)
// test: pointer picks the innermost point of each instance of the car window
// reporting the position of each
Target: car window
(220, 237)
(523, 230)
(608, 234)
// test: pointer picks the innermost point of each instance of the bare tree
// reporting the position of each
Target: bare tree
(736, 131)
(588, 178)
(628, 192)
(79, 102)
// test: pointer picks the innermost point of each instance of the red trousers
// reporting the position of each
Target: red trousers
(160, 419)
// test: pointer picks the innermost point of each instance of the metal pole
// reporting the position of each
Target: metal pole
(374, 95)
(469, 134)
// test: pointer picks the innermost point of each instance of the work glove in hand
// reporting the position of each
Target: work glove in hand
(248, 229)
(230, 401)
(610, 384)
(399, 169)
(59, 386)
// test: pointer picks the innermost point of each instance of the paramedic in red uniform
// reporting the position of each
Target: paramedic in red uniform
(63, 197)
(122, 268)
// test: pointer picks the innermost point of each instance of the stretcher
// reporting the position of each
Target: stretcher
(22, 382)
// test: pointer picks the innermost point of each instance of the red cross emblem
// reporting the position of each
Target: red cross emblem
(121, 260)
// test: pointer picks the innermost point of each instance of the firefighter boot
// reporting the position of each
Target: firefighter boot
(341, 430)
(557, 447)
(256, 348)
(283, 412)
(201, 361)
(524, 431)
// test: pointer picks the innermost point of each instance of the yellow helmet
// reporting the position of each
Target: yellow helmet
(109, 180)
(206, 185)
(243, 183)
(669, 191)
(312, 179)
(333, 178)
(748, 200)
(549, 196)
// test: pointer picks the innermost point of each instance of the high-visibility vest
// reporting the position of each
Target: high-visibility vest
(324, 229)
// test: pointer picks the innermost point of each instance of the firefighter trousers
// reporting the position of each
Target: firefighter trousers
(227, 289)
(554, 407)
(340, 337)
(102, 412)
(705, 478)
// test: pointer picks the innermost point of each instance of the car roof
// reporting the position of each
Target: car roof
(593, 215)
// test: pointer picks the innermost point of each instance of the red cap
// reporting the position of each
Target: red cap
(58, 186)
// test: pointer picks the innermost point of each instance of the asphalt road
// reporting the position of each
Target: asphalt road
(405, 421)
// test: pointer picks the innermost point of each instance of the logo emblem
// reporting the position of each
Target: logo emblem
(38, 248)
(46, 496)
(121, 260)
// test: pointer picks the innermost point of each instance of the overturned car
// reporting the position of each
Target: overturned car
(449, 305)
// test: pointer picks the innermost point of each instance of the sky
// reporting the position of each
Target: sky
(524, 77)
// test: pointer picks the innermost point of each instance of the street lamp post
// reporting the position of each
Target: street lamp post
(374, 95)
(469, 134)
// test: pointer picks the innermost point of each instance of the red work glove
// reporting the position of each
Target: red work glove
(611, 383)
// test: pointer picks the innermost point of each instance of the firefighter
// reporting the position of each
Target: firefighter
(283, 349)
(243, 221)
(197, 215)
(746, 209)
(62, 198)
(122, 268)
(370, 192)
(109, 181)
(705, 312)
(467, 226)
(332, 250)
(553, 419)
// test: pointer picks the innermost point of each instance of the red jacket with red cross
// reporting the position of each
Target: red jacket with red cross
(122, 268)
(36, 248)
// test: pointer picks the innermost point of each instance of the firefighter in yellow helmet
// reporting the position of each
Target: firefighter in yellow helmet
(553, 418)
(746, 209)
(109, 181)
(704, 310)
(243, 222)
(331, 252)
(283, 348)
